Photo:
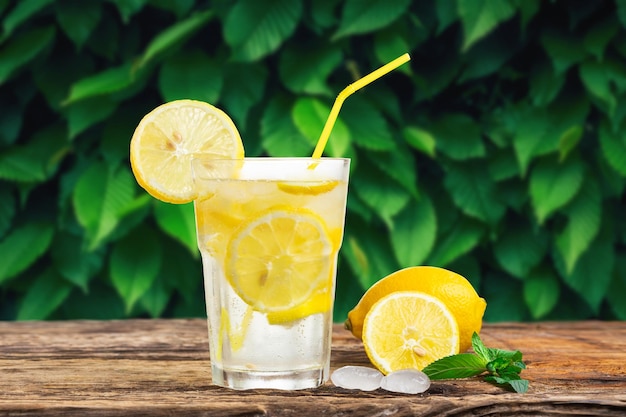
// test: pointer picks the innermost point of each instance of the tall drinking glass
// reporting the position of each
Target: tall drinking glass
(269, 231)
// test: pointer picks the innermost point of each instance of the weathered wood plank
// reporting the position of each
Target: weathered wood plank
(161, 368)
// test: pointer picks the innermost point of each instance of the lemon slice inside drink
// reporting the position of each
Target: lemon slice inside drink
(170, 136)
(319, 302)
(279, 260)
(308, 187)
(409, 330)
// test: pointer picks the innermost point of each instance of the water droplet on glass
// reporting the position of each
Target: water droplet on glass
(357, 377)
(406, 381)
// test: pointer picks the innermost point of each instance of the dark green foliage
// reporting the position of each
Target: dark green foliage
(498, 151)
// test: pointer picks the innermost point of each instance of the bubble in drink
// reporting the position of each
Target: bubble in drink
(357, 377)
(406, 381)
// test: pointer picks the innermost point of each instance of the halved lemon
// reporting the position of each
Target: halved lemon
(168, 137)
(454, 290)
(279, 259)
(409, 330)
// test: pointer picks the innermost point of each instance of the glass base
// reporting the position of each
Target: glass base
(248, 379)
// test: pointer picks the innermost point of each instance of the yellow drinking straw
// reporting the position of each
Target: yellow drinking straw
(360, 83)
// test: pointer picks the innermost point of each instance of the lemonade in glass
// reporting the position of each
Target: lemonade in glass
(269, 231)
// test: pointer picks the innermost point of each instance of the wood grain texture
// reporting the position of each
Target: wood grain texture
(161, 368)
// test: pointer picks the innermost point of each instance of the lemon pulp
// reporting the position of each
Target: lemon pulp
(409, 330)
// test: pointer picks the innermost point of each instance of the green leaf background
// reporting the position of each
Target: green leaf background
(498, 151)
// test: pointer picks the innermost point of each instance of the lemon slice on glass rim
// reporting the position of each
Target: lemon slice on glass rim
(279, 260)
(170, 136)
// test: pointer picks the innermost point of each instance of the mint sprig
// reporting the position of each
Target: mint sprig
(500, 367)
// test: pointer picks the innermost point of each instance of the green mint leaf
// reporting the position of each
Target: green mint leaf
(480, 349)
(519, 385)
(497, 364)
(490, 354)
(495, 379)
(514, 382)
(512, 370)
(463, 365)
(511, 355)
(505, 359)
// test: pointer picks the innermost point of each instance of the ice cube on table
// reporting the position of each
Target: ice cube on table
(406, 381)
(357, 377)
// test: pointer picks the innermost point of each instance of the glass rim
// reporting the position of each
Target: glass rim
(274, 168)
(272, 158)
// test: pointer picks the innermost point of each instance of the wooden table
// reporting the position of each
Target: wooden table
(161, 368)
